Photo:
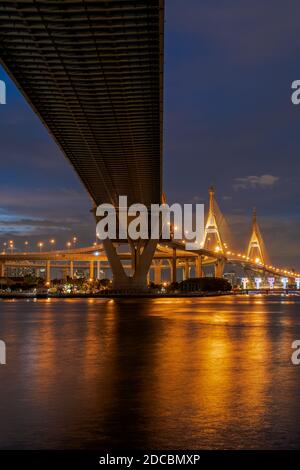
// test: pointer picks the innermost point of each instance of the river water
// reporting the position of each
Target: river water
(206, 373)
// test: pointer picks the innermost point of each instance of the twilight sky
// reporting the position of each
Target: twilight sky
(229, 121)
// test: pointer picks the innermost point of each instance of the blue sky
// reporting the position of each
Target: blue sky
(228, 119)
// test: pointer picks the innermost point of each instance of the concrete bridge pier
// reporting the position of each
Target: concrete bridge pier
(157, 272)
(186, 270)
(91, 271)
(48, 272)
(219, 267)
(2, 269)
(174, 266)
(98, 264)
(142, 255)
(71, 269)
(198, 266)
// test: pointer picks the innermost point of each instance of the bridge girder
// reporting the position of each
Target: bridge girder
(93, 72)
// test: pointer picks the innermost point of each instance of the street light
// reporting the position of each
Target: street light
(26, 245)
(52, 241)
(69, 244)
(74, 241)
(11, 245)
(40, 245)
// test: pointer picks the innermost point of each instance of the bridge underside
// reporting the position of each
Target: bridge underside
(93, 72)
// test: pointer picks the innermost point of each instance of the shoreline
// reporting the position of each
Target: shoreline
(150, 295)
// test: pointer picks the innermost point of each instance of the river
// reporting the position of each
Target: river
(198, 373)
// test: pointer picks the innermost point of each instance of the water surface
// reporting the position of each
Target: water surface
(151, 373)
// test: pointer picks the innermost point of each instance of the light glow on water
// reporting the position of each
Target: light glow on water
(180, 373)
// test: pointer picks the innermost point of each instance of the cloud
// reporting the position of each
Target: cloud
(10, 224)
(43, 213)
(253, 182)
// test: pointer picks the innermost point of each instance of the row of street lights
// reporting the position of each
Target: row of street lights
(10, 245)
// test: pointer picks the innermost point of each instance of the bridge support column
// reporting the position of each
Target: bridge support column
(98, 264)
(198, 267)
(48, 272)
(2, 269)
(174, 266)
(142, 255)
(219, 267)
(157, 272)
(186, 270)
(71, 269)
(91, 272)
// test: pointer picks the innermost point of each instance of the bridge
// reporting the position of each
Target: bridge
(255, 259)
(93, 73)
(170, 256)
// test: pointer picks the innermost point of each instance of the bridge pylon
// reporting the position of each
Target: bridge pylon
(212, 236)
(256, 248)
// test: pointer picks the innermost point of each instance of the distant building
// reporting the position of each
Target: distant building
(204, 284)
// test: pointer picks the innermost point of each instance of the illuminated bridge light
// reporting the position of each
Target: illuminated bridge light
(257, 281)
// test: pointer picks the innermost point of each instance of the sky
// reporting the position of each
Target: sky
(228, 121)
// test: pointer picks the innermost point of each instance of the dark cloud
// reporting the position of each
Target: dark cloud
(254, 182)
